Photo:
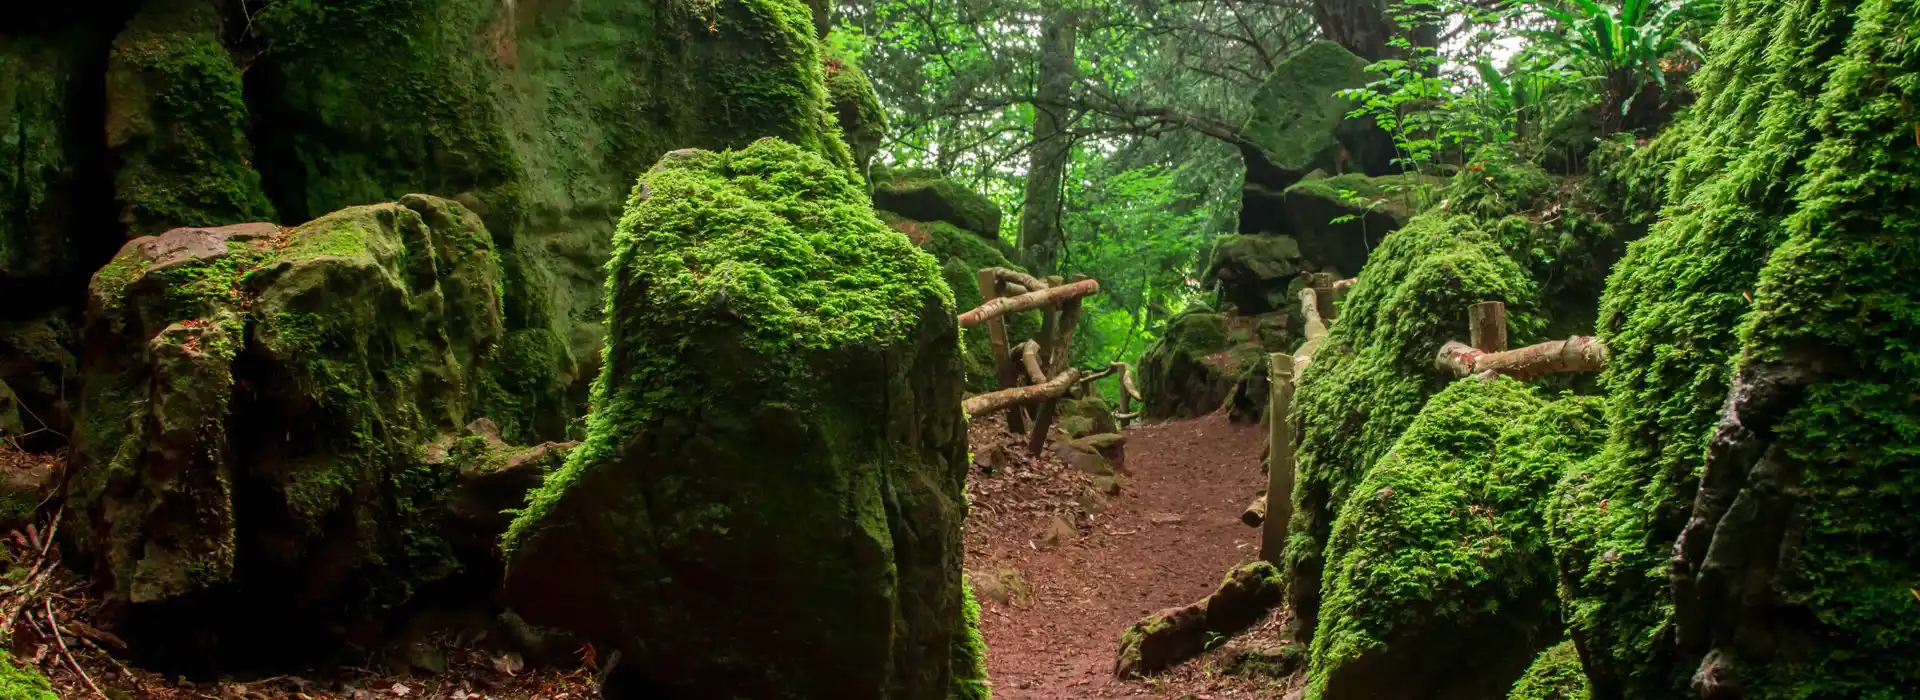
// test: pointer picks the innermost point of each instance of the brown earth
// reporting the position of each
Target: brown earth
(1165, 540)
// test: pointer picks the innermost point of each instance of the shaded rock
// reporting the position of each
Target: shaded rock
(961, 255)
(794, 529)
(1253, 271)
(1110, 446)
(256, 398)
(1262, 659)
(1174, 635)
(1192, 369)
(1083, 416)
(1339, 219)
(924, 195)
(39, 370)
(1300, 125)
(855, 106)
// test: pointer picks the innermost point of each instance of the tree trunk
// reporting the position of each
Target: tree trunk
(1040, 234)
(1365, 27)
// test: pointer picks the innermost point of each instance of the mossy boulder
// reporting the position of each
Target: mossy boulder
(248, 459)
(1300, 125)
(1253, 271)
(1375, 371)
(1338, 219)
(1186, 371)
(1083, 416)
(40, 196)
(856, 107)
(970, 652)
(22, 682)
(177, 121)
(925, 195)
(772, 472)
(1555, 675)
(1439, 581)
(1171, 636)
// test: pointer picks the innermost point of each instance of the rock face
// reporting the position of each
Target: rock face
(856, 107)
(524, 112)
(768, 502)
(1439, 582)
(1337, 220)
(256, 399)
(962, 253)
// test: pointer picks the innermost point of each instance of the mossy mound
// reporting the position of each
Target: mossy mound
(1375, 371)
(970, 652)
(1300, 125)
(248, 457)
(1439, 582)
(925, 195)
(176, 123)
(1339, 219)
(1555, 675)
(21, 682)
(773, 469)
(1171, 636)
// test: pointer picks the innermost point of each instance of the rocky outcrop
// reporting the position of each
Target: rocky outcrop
(772, 473)
(961, 254)
(1439, 582)
(856, 107)
(247, 458)
(1338, 219)
(1202, 357)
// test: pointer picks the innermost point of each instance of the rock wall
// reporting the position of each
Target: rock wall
(773, 469)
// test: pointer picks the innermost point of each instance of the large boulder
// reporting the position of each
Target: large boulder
(1253, 272)
(856, 106)
(247, 459)
(1339, 219)
(1194, 367)
(768, 502)
(1300, 125)
(925, 195)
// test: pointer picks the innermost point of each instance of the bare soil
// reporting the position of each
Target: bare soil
(1164, 541)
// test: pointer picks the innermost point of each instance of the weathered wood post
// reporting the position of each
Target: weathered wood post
(1056, 335)
(1487, 326)
(1006, 375)
(1280, 466)
(1323, 296)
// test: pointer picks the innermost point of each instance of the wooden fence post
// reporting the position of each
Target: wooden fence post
(1487, 326)
(1323, 296)
(1006, 375)
(1280, 464)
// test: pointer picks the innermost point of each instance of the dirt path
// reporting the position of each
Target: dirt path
(1164, 541)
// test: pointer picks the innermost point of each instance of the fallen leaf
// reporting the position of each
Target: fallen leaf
(509, 663)
(400, 689)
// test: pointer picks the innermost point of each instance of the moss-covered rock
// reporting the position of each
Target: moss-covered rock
(1554, 675)
(39, 190)
(970, 652)
(772, 472)
(1171, 636)
(1375, 371)
(925, 195)
(1339, 219)
(248, 458)
(961, 255)
(1185, 372)
(857, 107)
(1253, 271)
(1439, 582)
(22, 682)
(176, 123)
(1300, 125)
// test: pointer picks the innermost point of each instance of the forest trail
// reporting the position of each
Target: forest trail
(1164, 541)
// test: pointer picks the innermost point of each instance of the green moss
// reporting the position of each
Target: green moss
(970, 652)
(41, 125)
(177, 124)
(1555, 675)
(926, 195)
(961, 255)
(1438, 560)
(1375, 371)
(21, 682)
(863, 124)
(1296, 111)
(1669, 319)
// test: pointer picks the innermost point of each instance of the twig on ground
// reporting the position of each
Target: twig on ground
(54, 623)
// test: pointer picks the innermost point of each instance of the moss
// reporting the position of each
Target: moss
(796, 360)
(22, 682)
(863, 124)
(1669, 319)
(41, 123)
(926, 195)
(970, 652)
(1374, 373)
(1438, 569)
(962, 254)
(1555, 675)
(1296, 111)
(176, 122)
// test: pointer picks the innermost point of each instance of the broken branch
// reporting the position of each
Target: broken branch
(1054, 388)
(1029, 301)
(1580, 353)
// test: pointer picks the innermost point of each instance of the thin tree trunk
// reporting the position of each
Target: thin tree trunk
(1040, 234)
